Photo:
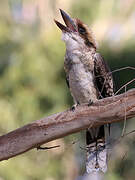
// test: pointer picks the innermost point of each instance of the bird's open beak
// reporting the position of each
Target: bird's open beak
(70, 26)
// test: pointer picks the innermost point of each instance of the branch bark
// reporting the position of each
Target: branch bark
(58, 125)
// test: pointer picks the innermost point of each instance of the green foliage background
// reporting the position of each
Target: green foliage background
(32, 81)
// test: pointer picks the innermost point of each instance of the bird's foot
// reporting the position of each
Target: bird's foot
(90, 102)
(74, 106)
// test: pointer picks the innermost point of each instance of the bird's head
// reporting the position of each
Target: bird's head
(75, 33)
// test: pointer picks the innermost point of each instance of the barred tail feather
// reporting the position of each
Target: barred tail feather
(96, 158)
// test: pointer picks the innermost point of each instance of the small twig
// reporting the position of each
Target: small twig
(129, 82)
(46, 148)
(52, 147)
(123, 68)
(125, 119)
(90, 126)
(116, 141)
(133, 131)
(117, 70)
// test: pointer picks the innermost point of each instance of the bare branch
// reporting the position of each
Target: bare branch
(56, 126)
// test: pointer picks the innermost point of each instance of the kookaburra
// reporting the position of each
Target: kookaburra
(89, 79)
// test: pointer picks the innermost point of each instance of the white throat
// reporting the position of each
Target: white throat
(73, 41)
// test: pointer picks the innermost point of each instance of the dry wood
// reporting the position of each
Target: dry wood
(58, 125)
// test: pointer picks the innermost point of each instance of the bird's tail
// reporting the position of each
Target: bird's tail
(96, 158)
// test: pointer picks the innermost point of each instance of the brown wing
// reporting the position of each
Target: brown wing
(103, 77)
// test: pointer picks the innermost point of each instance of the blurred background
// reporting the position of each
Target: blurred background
(32, 80)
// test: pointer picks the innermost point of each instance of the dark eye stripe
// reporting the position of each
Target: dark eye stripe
(81, 30)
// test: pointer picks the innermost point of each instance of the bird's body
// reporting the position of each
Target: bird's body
(89, 79)
(79, 68)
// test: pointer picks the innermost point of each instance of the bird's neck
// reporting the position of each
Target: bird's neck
(80, 53)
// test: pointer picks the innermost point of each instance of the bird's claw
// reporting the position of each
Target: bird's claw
(74, 107)
(90, 102)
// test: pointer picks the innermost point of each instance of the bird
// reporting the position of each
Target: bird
(89, 79)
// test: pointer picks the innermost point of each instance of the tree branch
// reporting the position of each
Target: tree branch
(58, 125)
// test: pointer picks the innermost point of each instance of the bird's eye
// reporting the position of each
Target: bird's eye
(82, 30)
